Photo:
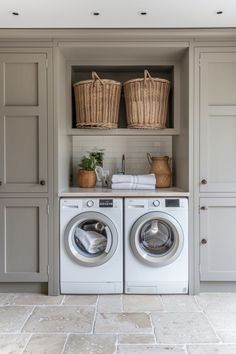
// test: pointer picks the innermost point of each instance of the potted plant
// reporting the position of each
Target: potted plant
(98, 154)
(87, 176)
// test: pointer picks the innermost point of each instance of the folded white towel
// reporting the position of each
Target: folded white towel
(132, 186)
(92, 241)
(140, 179)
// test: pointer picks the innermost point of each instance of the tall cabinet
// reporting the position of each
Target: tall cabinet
(216, 163)
(24, 179)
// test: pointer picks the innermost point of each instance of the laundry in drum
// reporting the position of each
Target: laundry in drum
(96, 226)
(91, 240)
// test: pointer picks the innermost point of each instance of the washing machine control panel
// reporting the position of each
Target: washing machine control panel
(97, 203)
(90, 203)
(156, 203)
(105, 203)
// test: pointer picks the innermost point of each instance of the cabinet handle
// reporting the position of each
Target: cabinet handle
(203, 241)
(203, 181)
(203, 208)
(0, 183)
(42, 182)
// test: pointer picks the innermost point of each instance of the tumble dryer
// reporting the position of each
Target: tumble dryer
(91, 246)
(156, 245)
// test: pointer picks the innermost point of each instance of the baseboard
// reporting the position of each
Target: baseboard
(38, 288)
(215, 286)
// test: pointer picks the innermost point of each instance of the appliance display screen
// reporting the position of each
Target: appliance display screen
(172, 203)
(106, 203)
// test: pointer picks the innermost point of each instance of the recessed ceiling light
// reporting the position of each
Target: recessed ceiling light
(219, 12)
(95, 13)
(142, 13)
(15, 13)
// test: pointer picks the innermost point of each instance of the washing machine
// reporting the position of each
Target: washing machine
(91, 246)
(156, 246)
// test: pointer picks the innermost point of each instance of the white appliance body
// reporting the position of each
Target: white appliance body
(82, 272)
(156, 246)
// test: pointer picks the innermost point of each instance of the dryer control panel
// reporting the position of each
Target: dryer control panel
(172, 203)
(157, 203)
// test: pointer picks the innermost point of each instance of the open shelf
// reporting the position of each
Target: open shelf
(123, 73)
(122, 131)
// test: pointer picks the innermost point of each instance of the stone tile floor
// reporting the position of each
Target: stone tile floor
(118, 324)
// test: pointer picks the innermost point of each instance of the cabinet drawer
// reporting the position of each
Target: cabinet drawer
(23, 240)
(217, 239)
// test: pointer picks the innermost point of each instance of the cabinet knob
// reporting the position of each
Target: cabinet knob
(203, 241)
(203, 181)
(42, 182)
(203, 208)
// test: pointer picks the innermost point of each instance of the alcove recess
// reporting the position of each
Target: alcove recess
(122, 74)
(124, 60)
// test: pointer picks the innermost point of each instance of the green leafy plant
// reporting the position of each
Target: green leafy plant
(88, 163)
(98, 154)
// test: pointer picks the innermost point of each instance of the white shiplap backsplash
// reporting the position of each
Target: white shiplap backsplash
(135, 149)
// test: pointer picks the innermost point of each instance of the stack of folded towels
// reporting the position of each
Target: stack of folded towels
(133, 182)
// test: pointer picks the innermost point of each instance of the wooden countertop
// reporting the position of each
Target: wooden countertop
(107, 192)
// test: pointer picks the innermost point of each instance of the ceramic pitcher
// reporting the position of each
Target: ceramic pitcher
(160, 166)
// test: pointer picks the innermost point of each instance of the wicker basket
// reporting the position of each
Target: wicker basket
(97, 103)
(146, 102)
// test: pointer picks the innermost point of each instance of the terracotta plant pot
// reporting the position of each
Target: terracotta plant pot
(86, 179)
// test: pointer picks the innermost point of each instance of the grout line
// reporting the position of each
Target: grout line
(63, 300)
(57, 305)
(213, 328)
(27, 342)
(96, 303)
(33, 308)
(182, 345)
(162, 303)
(186, 349)
(39, 305)
(153, 328)
(122, 303)
(95, 315)
(197, 303)
(64, 346)
(116, 343)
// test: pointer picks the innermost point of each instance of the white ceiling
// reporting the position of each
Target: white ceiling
(117, 14)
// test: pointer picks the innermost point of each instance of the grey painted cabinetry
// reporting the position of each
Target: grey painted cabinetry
(23, 240)
(217, 164)
(218, 122)
(23, 166)
(23, 123)
(217, 230)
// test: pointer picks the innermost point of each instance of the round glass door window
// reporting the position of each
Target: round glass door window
(156, 239)
(91, 238)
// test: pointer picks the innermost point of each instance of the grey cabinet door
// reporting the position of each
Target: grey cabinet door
(217, 239)
(23, 122)
(218, 122)
(23, 240)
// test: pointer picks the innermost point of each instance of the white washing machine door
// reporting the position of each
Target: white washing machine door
(91, 239)
(156, 239)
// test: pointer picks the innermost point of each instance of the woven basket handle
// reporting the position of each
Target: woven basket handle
(95, 77)
(147, 75)
(149, 157)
